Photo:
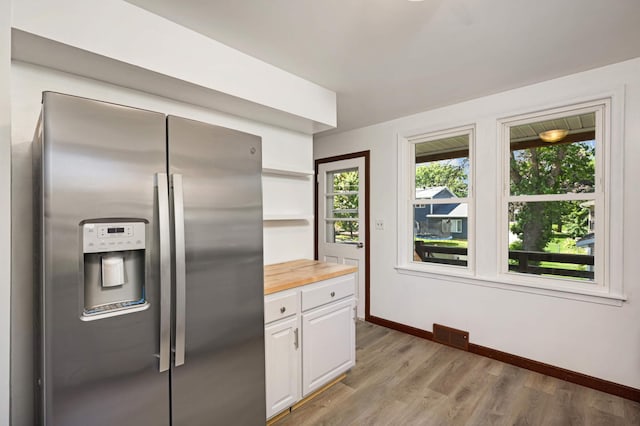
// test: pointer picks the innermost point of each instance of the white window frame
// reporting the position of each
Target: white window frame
(606, 282)
(456, 226)
(407, 201)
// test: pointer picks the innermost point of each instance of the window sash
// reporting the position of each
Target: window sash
(406, 254)
(600, 108)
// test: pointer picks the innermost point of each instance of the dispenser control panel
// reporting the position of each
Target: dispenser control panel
(117, 236)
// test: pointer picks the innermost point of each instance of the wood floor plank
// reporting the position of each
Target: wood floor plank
(401, 379)
(419, 409)
(631, 411)
(607, 403)
(595, 417)
(390, 365)
(529, 407)
(498, 400)
(451, 377)
(385, 413)
(558, 414)
(319, 408)
(462, 402)
(541, 382)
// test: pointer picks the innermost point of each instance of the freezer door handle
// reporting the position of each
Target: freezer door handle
(181, 277)
(165, 271)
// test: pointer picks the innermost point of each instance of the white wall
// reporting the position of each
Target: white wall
(594, 339)
(5, 206)
(281, 149)
(121, 31)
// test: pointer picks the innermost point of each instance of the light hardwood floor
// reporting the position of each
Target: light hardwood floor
(400, 379)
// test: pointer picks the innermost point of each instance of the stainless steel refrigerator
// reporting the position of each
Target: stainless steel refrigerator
(150, 270)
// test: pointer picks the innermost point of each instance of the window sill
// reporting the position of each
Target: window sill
(508, 283)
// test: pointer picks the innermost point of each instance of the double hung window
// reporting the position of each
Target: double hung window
(440, 198)
(553, 201)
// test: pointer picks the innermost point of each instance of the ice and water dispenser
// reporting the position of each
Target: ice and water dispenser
(114, 268)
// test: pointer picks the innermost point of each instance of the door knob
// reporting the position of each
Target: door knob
(360, 245)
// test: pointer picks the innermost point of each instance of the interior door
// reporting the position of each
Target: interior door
(341, 214)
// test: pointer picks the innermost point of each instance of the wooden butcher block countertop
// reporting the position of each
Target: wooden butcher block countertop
(286, 275)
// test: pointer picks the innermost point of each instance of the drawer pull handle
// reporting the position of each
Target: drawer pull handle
(333, 293)
(282, 310)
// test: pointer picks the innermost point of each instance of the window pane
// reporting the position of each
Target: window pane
(552, 238)
(342, 181)
(342, 206)
(342, 203)
(442, 168)
(565, 163)
(342, 231)
(440, 233)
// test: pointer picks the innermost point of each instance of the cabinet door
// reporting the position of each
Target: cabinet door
(282, 360)
(328, 345)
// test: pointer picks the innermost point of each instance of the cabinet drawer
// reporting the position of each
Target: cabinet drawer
(278, 306)
(328, 291)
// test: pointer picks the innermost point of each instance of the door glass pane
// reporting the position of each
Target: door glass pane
(552, 238)
(553, 156)
(342, 203)
(440, 233)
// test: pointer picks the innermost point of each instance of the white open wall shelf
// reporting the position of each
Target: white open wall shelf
(286, 193)
(286, 172)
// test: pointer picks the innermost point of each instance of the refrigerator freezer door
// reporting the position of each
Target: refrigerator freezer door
(222, 378)
(98, 163)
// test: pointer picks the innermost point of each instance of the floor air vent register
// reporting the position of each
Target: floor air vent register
(451, 337)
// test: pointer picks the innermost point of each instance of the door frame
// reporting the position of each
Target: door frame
(367, 231)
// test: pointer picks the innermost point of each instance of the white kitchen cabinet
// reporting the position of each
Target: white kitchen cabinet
(282, 358)
(309, 339)
(328, 347)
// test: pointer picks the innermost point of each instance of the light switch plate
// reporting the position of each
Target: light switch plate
(379, 224)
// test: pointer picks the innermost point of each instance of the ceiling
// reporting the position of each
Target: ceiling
(443, 145)
(390, 58)
(581, 123)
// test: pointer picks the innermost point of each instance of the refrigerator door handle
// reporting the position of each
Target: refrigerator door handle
(181, 278)
(165, 271)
